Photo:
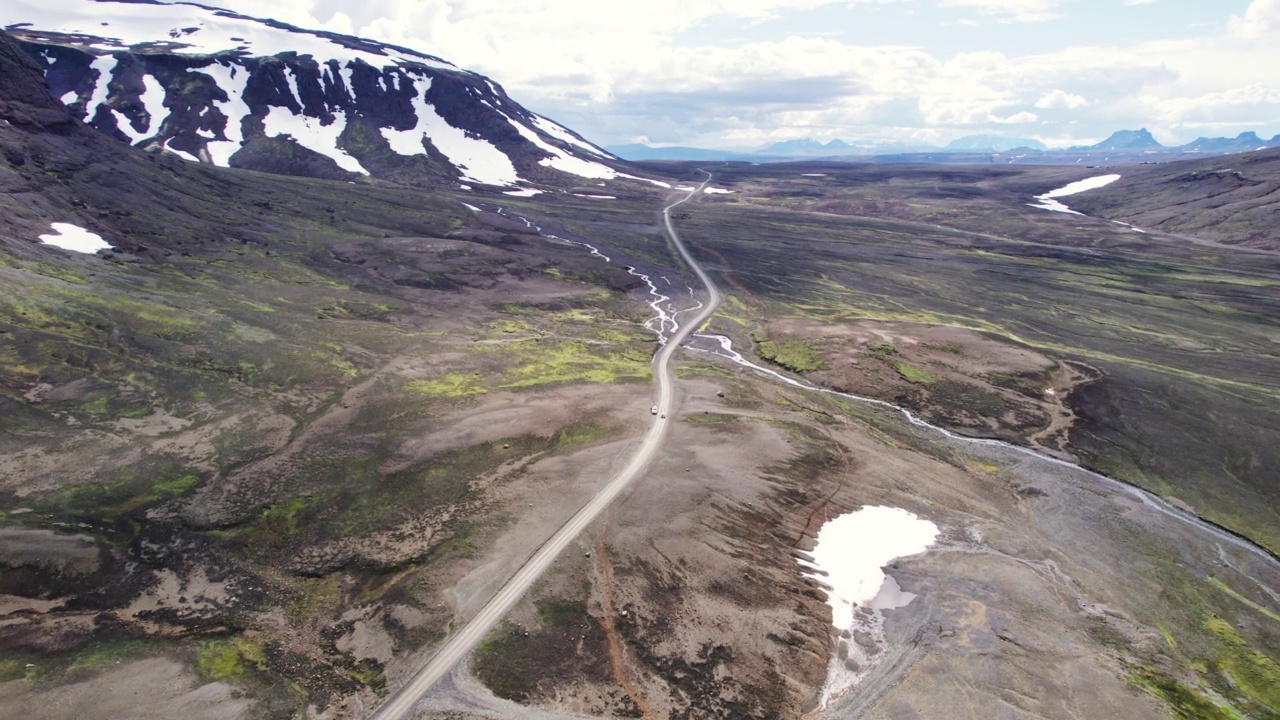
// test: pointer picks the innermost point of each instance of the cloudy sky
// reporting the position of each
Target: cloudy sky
(744, 73)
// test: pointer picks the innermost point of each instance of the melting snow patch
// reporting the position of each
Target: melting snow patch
(471, 207)
(716, 191)
(562, 161)
(105, 65)
(76, 238)
(232, 80)
(526, 192)
(847, 558)
(312, 135)
(1047, 201)
(479, 160)
(659, 183)
(560, 133)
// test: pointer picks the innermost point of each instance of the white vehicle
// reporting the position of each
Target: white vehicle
(653, 410)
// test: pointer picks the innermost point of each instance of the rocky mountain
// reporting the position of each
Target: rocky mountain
(1125, 140)
(993, 143)
(222, 88)
(1244, 142)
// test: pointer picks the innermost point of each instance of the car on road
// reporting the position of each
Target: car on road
(653, 410)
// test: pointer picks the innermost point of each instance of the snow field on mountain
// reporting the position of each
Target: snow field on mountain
(560, 160)
(153, 101)
(104, 66)
(130, 23)
(74, 238)
(232, 80)
(1047, 201)
(561, 133)
(478, 159)
(311, 134)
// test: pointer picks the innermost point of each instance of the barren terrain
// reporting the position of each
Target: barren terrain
(261, 458)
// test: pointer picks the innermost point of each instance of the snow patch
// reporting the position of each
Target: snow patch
(598, 197)
(74, 238)
(69, 98)
(121, 25)
(847, 559)
(561, 133)
(232, 80)
(105, 66)
(479, 160)
(153, 101)
(409, 142)
(852, 548)
(716, 191)
(180, 153)
(1047, 201)
(471, 207)
(311, 134)
(523, 192)
(560, 160)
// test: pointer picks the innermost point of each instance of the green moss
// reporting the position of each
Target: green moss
(450, 385)
(914, 375)
(369, 672)
(574, 361)
(221, 660)
(1255, 674)
(883, 350)
(517, 309)
(1183, 702)
(111, 503)
(56, 271)
(794, 355)
(1242, 599)
(12, 670)
(578, 435)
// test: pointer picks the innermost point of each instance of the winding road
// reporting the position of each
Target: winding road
(401, 704)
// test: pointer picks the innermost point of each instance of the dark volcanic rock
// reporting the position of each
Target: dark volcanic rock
(291, 101)
(24, 98)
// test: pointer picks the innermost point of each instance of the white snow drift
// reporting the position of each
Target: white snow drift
(852, 548)
(1047, 201)
(75, 238)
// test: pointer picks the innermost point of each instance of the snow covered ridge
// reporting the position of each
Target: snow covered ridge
(227, 89)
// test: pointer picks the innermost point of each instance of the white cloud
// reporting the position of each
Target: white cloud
(627, 69)
(1016, 10)
(1261, 19)
(1061, 100)
(1020, 118)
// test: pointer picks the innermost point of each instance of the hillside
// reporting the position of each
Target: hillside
(225, 89)
(1233, 199)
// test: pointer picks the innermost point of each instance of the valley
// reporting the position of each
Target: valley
(420, 442)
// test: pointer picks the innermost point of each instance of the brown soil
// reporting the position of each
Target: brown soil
(969, 382)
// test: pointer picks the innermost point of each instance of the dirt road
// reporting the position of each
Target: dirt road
(401, 704)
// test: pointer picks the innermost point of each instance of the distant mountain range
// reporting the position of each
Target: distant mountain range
(1123, 146)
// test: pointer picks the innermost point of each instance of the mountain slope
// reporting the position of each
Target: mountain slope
(1233, 199)
(226, 89)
